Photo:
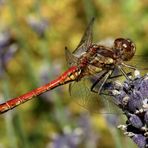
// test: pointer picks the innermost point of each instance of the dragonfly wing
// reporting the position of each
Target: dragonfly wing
(70, 58)
(82, 95)
(108, 42)
(86, 40)
(93, 102)
(109, 103)
(139, 62)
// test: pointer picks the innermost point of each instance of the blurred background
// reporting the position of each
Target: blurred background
(33, 34)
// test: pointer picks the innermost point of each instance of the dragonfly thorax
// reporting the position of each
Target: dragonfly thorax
(95, 60)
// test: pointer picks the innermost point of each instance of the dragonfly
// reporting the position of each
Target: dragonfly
(87, 60)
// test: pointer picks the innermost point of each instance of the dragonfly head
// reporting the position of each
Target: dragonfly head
(124, 48)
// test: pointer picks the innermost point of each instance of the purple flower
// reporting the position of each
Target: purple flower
(69, 140)
(38, 25)
(8, 47)
(140, 140)
(89, 135)
(84, 134)
(146, 118)
(132, 98)
(135, 121)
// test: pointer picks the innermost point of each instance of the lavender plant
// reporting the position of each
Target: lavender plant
(132, 97)
(38, 25)
(8, 48)
(74, 137)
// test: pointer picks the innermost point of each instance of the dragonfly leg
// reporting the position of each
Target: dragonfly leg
(106, 75)
(96, 82)
(129, 66)
(110, 77)
(120, 75)
(123, 72)
(104, 81)
(108, 83)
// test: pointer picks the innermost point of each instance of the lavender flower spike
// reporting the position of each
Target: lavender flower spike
(132, 97)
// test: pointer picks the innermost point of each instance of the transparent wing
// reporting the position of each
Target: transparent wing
(140, 62)
(70, 58)
(108, 42)
(80, 92)
(86, 40)
(93, 102)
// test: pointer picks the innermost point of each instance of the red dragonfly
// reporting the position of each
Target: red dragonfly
(87, 60)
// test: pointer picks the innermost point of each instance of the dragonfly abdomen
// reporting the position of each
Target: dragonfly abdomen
(70, 75)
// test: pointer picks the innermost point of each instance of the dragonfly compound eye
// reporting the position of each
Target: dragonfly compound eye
(124, 48)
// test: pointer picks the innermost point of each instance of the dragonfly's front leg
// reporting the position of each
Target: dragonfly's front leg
(120, 75)
(123, 72)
